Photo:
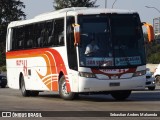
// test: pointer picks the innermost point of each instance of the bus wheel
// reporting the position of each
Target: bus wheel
(63, 90)
(121, 95)
(24, 92)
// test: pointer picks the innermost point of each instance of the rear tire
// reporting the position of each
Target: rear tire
(121, 95)
(63, 90)
(24, 92)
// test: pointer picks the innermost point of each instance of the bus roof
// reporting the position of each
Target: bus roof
(69, 11)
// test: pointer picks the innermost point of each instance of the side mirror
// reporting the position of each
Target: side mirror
(150, 31)
(76, 34)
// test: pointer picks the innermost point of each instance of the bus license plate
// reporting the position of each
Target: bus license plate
(114, 84)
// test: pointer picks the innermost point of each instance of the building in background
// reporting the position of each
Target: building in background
(156, 26)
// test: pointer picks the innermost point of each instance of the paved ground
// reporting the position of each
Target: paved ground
(11, 100)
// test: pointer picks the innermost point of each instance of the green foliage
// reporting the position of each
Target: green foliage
(2, 58)
(3, 69)
(10, 10)
(60, 4)
(153, 52)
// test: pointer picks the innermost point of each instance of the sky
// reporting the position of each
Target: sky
(146, 14)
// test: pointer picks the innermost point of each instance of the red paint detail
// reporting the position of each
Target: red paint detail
(50, 56)
(121, 72)
(25, 67)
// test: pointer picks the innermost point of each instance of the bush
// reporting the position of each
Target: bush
(3, 69)
(153, 53)
(154, 58)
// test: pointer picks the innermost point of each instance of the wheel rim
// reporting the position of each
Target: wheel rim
(64, 88)
(23, 86)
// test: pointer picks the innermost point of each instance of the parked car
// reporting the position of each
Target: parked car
(157, 75)
(157, 38)
(3, 81)
(150, 80)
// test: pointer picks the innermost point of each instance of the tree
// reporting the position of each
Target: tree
(60, 4)
(10, 10)
(153, 53)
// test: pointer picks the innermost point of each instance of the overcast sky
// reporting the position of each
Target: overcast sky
(35, 7)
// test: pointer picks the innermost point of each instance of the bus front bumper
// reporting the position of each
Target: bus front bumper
(96, 85)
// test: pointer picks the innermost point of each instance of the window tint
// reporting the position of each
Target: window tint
(59, 31)
(18, 39)
(42, 34)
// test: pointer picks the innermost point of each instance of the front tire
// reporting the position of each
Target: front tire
(63, 90)
(121, 95)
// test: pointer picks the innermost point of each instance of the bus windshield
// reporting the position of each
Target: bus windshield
(111, 40)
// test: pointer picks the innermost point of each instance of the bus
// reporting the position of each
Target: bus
(48, 53)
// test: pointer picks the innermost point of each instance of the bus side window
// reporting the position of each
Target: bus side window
(13, 47)
(29, 37)
(35, 35)
(59, 32)
(40, 39)
(29, 43)
(50, 33)
(46, 33)
(18, 38)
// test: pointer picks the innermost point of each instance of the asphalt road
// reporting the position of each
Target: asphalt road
(11, 100)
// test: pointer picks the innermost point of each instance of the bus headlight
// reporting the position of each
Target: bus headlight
(87, 75)
(139, 73)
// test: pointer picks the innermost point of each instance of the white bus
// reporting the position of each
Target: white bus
(48, 53)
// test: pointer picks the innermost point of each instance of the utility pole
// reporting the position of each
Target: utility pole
(105, 3)
(153, 8)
